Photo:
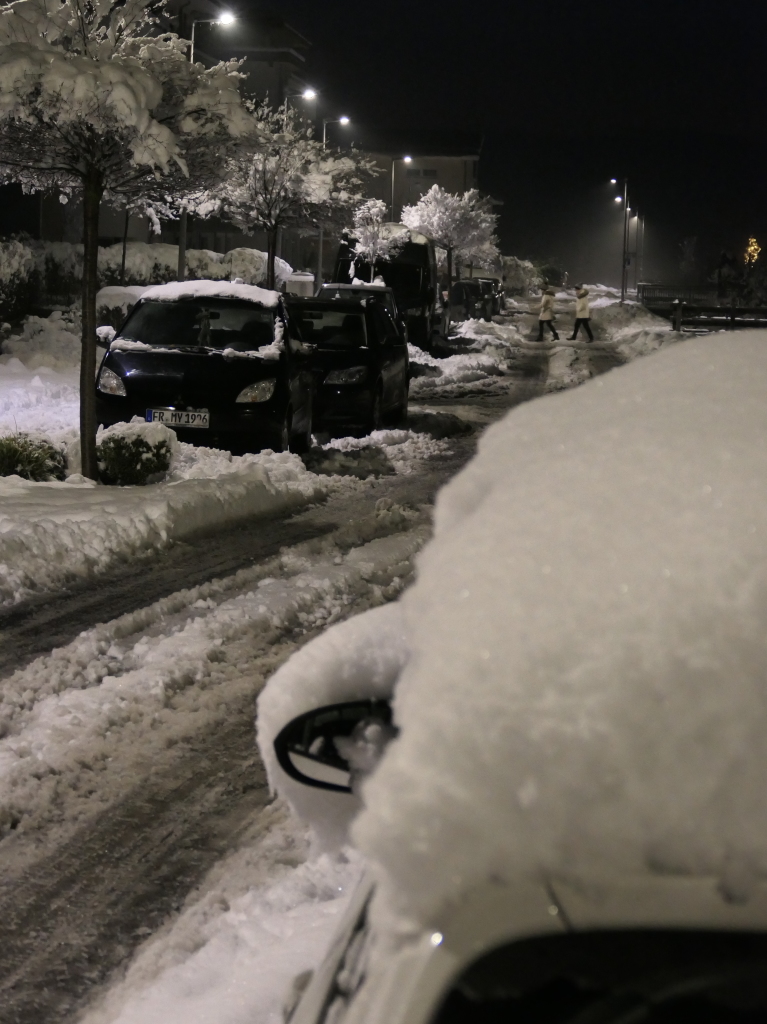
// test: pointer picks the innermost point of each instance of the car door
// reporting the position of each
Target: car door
(301, 382)
(393, 358)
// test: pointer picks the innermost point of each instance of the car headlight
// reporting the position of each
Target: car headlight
(261, 391)
(110, 383)
(353, 375)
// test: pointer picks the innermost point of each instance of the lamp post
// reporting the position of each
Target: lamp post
(405, 160)
(624, 252)
(325, 122)
(227, 18)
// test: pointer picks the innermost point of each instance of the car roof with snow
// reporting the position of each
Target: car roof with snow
(586, 689)
(178, 290)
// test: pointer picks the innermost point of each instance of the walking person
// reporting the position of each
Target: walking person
(546, 315)
(582, 313)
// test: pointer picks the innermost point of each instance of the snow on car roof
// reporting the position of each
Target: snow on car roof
(211, 289)
(587, 692)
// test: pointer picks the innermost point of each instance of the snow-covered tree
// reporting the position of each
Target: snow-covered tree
(464, 226)
(289, 179)
(93, 104)
(374, 239)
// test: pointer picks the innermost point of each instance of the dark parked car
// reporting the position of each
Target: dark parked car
(360, 362)
(377, 292)
(493, 288)
(467, 300)
(219, 363)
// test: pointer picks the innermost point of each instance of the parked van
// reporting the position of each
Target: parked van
(411, 274)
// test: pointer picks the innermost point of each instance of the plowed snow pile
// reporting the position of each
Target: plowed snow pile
(586, 690)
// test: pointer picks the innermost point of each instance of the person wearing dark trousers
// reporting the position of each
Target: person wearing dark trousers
(582, 314)
(546, 315)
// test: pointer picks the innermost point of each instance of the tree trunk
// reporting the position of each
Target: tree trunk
(372, 271)
(181, 269)
(271, 251)
(449, 255)
(93, 189)
(125, 247)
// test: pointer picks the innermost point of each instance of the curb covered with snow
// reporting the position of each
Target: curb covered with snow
(52, 533)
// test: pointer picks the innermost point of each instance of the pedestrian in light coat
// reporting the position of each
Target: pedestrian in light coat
(582, 313)
(546, 315)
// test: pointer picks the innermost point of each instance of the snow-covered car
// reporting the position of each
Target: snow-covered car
(360, 361)
(570, 824)
(219, 363)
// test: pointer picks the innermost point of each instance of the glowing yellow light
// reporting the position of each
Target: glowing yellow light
(752, 251)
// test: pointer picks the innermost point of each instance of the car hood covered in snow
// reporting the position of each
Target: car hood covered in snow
(586, 694)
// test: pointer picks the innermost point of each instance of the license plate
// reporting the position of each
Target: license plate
(177, 418)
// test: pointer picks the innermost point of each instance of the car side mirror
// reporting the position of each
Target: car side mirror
(104, 336)
(336, 746)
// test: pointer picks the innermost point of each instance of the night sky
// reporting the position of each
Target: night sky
(566, 95)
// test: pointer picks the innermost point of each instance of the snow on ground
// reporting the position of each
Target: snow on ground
(53, 533)
(264, 914)
(591, 613)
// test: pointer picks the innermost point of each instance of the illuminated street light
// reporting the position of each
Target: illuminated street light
(227, 18)
(613, 181)
(343, 120)
(309, 94)
(619, 199)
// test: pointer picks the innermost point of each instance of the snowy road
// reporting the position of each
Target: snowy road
(113, 824)
(128, 767)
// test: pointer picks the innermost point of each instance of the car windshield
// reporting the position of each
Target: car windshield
(338, 292)
(406, 280)
(327, 327)
(206, 323)
(615, 977)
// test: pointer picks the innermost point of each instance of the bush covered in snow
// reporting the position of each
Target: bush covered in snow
(31, 458)
(131, 454)
(31, 271)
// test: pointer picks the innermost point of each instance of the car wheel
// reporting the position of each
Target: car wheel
(301, 443)
(398, 417)
(376, 410)
(283, 442)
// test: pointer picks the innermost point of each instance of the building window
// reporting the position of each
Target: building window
(412, 172)
(430, 173)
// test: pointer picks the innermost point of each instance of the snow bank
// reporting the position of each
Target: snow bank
(53, 342)
(45, 401)
(586, 691)
(431, 374)
(51, 533)
(354, 660)
(264, 915)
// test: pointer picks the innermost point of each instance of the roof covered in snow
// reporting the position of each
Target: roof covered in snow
(586, 691)
(211, 289)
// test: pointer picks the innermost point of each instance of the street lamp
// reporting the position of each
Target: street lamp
(225, 19)
(624, 252)
(405, 160)
(331, 120)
